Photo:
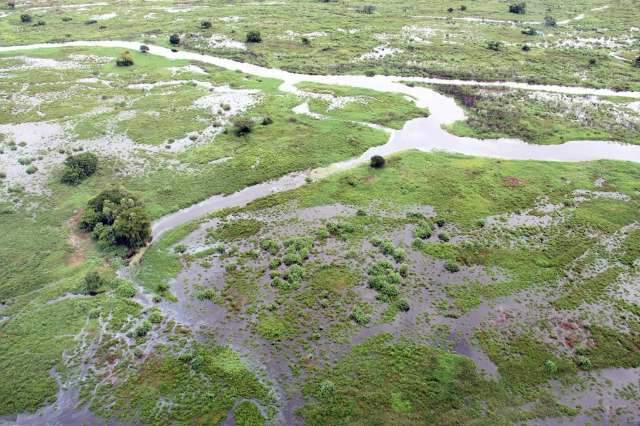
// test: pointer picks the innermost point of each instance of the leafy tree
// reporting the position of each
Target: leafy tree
(636, 63)
(116, 217)
(174, 39)
(205, 25)
(25, 18)
(254, 37)
(144, 48)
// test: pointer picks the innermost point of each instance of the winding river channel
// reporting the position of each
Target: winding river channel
(424, 134)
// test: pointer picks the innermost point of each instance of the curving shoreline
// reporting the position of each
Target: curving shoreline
(425, 134)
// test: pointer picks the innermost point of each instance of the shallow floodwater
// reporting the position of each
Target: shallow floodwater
(424, 134)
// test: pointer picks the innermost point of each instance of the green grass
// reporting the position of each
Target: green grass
(385, 109)
(237, 229)
(199, 386)
(386, 382)
(589, 290)
(521, 361)
(503, 113)
(160, 263)
(32, 343)
(247, 414)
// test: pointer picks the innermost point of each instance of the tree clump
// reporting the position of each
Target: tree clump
(125, 59)
(117, 218)
(254, 37)
(79, 167)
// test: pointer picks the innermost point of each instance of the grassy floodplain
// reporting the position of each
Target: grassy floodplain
(439, 288)
(425, 37)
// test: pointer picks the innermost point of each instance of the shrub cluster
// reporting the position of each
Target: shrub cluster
(384, 279)
(115, 217)
(79, 167)
(388, 249)
(297, 250)
(360, 314)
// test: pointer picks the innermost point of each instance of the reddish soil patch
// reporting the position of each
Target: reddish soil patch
(512, 181)
(77, 239)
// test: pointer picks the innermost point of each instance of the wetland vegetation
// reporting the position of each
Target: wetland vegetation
(330, 268)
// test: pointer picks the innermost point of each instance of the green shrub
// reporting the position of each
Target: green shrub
(155, 317)
(294, 274)
(254, 37)
(377, 162)
(403, 270)
(452, 267)
(205, 25)
(79, 167)
(126, 289)
(93, 283)
(242, 126)
(518, 8)
(144, 328)
(550, 367)
(584, 363)
(125, 59)
(174, 39)
(403, 305)
(25, 18)
(360, 314)
(292, 258)
(444, 236)
(270, 246)
(423, 231)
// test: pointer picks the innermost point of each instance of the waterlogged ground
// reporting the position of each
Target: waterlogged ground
(518, 275)
(439, 289)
